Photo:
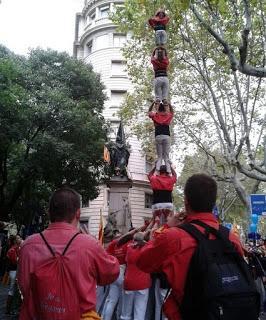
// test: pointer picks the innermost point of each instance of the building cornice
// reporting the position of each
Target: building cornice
(96, 29)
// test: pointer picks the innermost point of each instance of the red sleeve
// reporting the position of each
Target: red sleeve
(151, 176)
(152, 22)
(106, 266)
(234, 238)
(164, 20)
(111, 246)
(12, 255)
(151, 114)
(153, 254)
(160, 64)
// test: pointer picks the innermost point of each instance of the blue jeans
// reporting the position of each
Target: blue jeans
(134, 305)
(115, 296)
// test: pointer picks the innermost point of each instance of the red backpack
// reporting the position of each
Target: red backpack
(53, 288)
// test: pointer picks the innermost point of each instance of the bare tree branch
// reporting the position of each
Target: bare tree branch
(241, 66)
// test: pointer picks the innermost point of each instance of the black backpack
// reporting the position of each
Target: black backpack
(219, 284)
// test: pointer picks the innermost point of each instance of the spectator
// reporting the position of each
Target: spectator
(85, 260)
(12, 261)
(115, 294)
(158, 23)
(171, 251)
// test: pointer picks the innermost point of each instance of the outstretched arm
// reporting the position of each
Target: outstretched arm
(151, 107)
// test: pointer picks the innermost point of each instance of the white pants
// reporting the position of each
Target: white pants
(115, 295)
(163, 142)
(135, 305)
(159, 298)
(161, 88)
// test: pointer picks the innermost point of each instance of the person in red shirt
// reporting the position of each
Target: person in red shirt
(115, 295)
(160, 64)
(12, 262)
(162, 118)
(89, 264)
(162, 186)
(158, 23)
(136, 283)
(171, 251)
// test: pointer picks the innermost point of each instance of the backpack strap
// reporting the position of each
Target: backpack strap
(69, 242)
(193, 231)
(222, 233)
(47, 244)
(67, 246)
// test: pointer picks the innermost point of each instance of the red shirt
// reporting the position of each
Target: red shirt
(162, 182)
(118, 252)
(171, 252)
(156, 20)
(161, 118)
(135, 279)
(160, 65)
(89, 262)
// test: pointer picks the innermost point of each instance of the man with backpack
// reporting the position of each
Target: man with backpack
(60, 267)
(203, 262)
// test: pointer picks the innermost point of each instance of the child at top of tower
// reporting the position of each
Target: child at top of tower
(158, 23)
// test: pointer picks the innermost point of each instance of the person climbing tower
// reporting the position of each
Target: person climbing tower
(162, 116)
(160, 62)
(158, 23)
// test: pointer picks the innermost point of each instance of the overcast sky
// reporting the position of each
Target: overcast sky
(28, 24)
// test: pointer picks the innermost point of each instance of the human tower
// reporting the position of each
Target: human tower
(162, 177)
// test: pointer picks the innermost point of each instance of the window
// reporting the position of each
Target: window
(88, 48)
(91, 16)
(104, 12)
(148, 200)
(118, 68)
(119, 39)
(117, 97)
(102, 41)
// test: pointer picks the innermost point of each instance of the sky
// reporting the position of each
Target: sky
(28, 24)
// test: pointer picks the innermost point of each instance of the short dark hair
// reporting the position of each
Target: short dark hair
(200, 192)
(163, 169)
(63, 205)
(161, 107)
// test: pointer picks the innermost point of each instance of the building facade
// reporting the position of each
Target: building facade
(97, 42)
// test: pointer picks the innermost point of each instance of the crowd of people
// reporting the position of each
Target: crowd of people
(148, 273)
(178, 266)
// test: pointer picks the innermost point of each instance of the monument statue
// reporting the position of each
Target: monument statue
(119, 216)
(119, 153)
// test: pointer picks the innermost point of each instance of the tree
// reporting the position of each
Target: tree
(52, 130)
(217, 107)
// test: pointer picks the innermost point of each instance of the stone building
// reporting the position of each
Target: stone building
(98, 42)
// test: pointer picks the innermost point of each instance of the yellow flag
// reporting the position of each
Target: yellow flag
(106, 155)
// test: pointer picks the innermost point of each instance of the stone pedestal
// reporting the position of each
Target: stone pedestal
(119, 208)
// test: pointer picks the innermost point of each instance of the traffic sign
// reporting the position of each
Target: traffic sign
(258, 204)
